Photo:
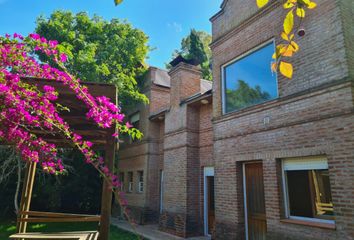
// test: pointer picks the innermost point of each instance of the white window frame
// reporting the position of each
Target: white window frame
(141, 187)
(223, 87)
(130, 183)
(140, 183)
(302, 160)
(130, 187)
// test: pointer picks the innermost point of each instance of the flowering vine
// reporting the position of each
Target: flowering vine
(26, 110)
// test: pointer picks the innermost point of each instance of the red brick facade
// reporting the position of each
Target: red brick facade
(186, 130)
(313, 116)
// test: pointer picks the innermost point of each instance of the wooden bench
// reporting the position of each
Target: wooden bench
(84, 235)
(48, 217)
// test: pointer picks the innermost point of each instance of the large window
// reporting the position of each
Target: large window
(249, 80)
(307, 189)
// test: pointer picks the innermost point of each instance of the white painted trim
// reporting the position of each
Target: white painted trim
(245, 199)
(223, 66)
(208, 172)
(285, 191)
(312, 219)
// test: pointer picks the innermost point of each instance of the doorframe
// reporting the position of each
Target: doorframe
(245, 192)
(161, 189)
(245, 198)
(208, 172)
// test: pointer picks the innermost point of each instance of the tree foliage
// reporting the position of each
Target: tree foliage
(196, 46)
(244, 95)
(98, 50)
(27, 110)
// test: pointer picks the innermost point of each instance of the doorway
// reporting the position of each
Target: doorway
(209, 201)
(255, 214)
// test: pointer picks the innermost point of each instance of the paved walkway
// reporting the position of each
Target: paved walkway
(150, 231)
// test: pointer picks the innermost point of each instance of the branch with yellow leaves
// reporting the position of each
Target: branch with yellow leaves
(288, 47)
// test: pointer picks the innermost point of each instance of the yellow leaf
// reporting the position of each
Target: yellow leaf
(292, 36)
(274, 66)
(311, 5)
(262, 3)
(295, 46)
(289, 22)
(286, 69)
(116, 2)
(300, 12)
(288, 51)
(284, 36)
(288, 5)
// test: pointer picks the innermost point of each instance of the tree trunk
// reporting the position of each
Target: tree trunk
(18, 184)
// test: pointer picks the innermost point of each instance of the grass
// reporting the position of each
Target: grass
(8, 227)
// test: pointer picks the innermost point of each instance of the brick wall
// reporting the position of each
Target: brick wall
(312, 116)
(324, 40)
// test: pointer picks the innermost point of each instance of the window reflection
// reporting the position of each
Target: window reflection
(249, 80)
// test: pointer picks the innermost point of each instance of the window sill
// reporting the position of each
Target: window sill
(331, 226)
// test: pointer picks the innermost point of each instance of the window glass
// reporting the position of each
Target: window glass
(249, 80)
(141, 181)
(309, 192)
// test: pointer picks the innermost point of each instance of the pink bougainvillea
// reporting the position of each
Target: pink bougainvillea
(24, 108)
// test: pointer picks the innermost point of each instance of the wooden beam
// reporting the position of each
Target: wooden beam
(56, 215)
(106, 202)
(59, 220)
(26, 195)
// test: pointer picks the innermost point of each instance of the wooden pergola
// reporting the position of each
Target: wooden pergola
(102, 140)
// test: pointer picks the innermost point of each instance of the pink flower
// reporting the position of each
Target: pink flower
(63, 57)
(53, 43)
(128, 125)
(89, 144)
(35, 36)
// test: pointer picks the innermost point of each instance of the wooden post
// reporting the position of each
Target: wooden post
(26, 195)
(106, 202)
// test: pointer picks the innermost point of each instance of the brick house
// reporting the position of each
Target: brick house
(176, 147)
(261, 156)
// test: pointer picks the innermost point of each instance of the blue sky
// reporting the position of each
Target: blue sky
(166, 22)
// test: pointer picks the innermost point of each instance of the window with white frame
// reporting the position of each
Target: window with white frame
(130, 181)
(121, 179)
(307, 189)
(140, 181)
(248, 80)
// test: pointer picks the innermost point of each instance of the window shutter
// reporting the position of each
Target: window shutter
(305, 163)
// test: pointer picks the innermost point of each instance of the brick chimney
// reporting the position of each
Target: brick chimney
(185, 79)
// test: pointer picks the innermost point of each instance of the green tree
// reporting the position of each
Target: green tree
(101, 51)
(244, 95)
(196, 46)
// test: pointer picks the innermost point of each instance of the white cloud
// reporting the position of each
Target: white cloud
(175, 26)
